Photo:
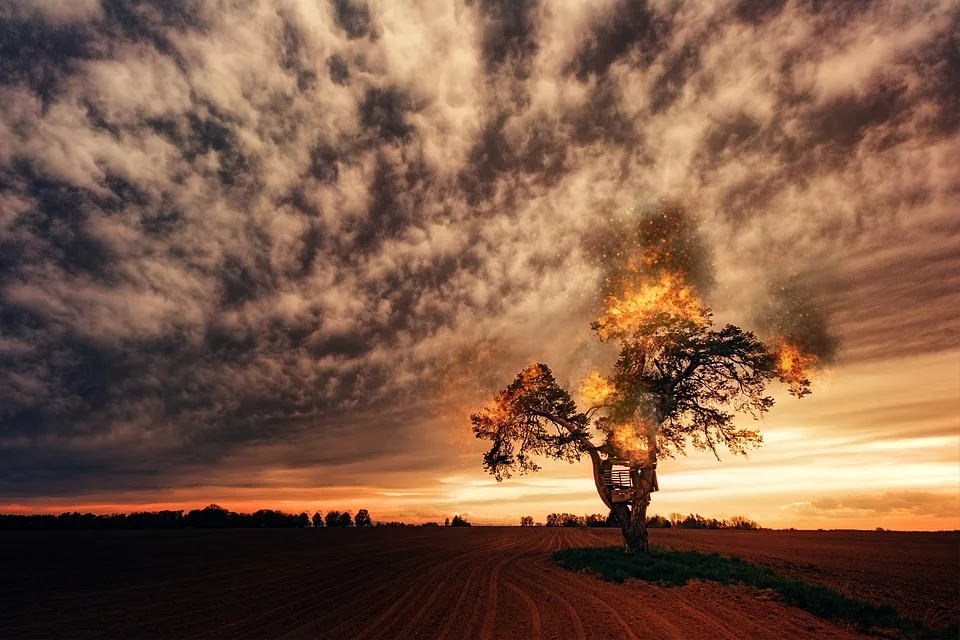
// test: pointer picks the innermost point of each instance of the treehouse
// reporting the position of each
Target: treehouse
(618, 479)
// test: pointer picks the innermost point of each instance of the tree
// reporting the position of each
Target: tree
(332, 518)
(658, 522)
(345, 519)
(317, 519)
(596, 520)
(740, 522)
(446, 522)
(459, 521)
(362, 519)
(673, 384)
(526, 521)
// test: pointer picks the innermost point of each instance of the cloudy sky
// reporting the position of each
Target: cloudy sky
(268, 253)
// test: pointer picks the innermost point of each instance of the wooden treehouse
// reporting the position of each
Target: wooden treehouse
(619, 480)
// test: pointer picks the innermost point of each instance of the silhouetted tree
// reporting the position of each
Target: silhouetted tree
(210, 517)
(362, 519)
(526, 521)
(459, 521)
(446, 522)
(345, 519)
(596, 520)
(740, 522)
(317, 519)
(674, 383)
(332, 518)
(658, 522)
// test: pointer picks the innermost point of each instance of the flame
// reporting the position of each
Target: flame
(630, 442)
(640, 306)
(794, 367)
(595, 389)
(530, 374)
(502, 406)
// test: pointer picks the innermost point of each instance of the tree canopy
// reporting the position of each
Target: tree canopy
(662, 395)
(677, 381)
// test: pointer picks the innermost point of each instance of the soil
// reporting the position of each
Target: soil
(479, 582)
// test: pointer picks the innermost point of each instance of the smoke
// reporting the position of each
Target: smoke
(649, 241)
(665, 239)
(793, 308)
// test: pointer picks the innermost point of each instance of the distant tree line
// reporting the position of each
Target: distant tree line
(210, 517)
(342, 519)
(676, 520)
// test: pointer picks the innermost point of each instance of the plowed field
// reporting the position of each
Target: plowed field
(481, 582)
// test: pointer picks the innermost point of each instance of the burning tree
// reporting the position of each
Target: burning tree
(674, 383)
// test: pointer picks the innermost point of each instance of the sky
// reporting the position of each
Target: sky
(271, 253)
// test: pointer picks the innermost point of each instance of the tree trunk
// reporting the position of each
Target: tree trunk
(632, 518)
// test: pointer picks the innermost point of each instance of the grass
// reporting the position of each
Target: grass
(673, 568)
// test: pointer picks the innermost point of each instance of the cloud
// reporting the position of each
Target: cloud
(284, 224)
(916, 503)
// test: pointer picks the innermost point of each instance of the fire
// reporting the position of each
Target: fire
(503, 405)
(640, 307)
(595, 389)
(629, 442)
(794, 367)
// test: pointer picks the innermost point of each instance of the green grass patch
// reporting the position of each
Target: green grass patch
(673, 568)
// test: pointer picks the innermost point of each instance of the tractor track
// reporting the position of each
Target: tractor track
(448, 583)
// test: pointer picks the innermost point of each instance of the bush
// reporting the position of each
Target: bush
(672, 568)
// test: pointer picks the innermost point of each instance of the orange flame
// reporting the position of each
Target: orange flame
(640, 306)
(794, 367)
(595, 389)
(630, 442)
(503, 405)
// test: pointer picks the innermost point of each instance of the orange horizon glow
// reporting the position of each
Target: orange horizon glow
(848, 443)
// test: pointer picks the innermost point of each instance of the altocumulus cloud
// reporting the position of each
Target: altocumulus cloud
(281, 226)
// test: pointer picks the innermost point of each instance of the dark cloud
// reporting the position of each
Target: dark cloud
(339, 70)
(496, 158)
(284, 225)
(383, 111)
(756, 11)
(940, 62)
(510, 34)
(41, 55)
(630, 27)
(57, 224)
(353, 16)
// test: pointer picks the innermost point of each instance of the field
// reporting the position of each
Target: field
(480, 582)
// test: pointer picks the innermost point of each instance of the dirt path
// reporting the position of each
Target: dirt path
(381, 583)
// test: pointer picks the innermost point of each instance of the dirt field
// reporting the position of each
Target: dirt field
(439, 583)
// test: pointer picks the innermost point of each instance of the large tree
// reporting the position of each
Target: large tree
(677, 382)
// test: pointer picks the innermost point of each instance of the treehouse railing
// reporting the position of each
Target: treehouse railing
(619, 479)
